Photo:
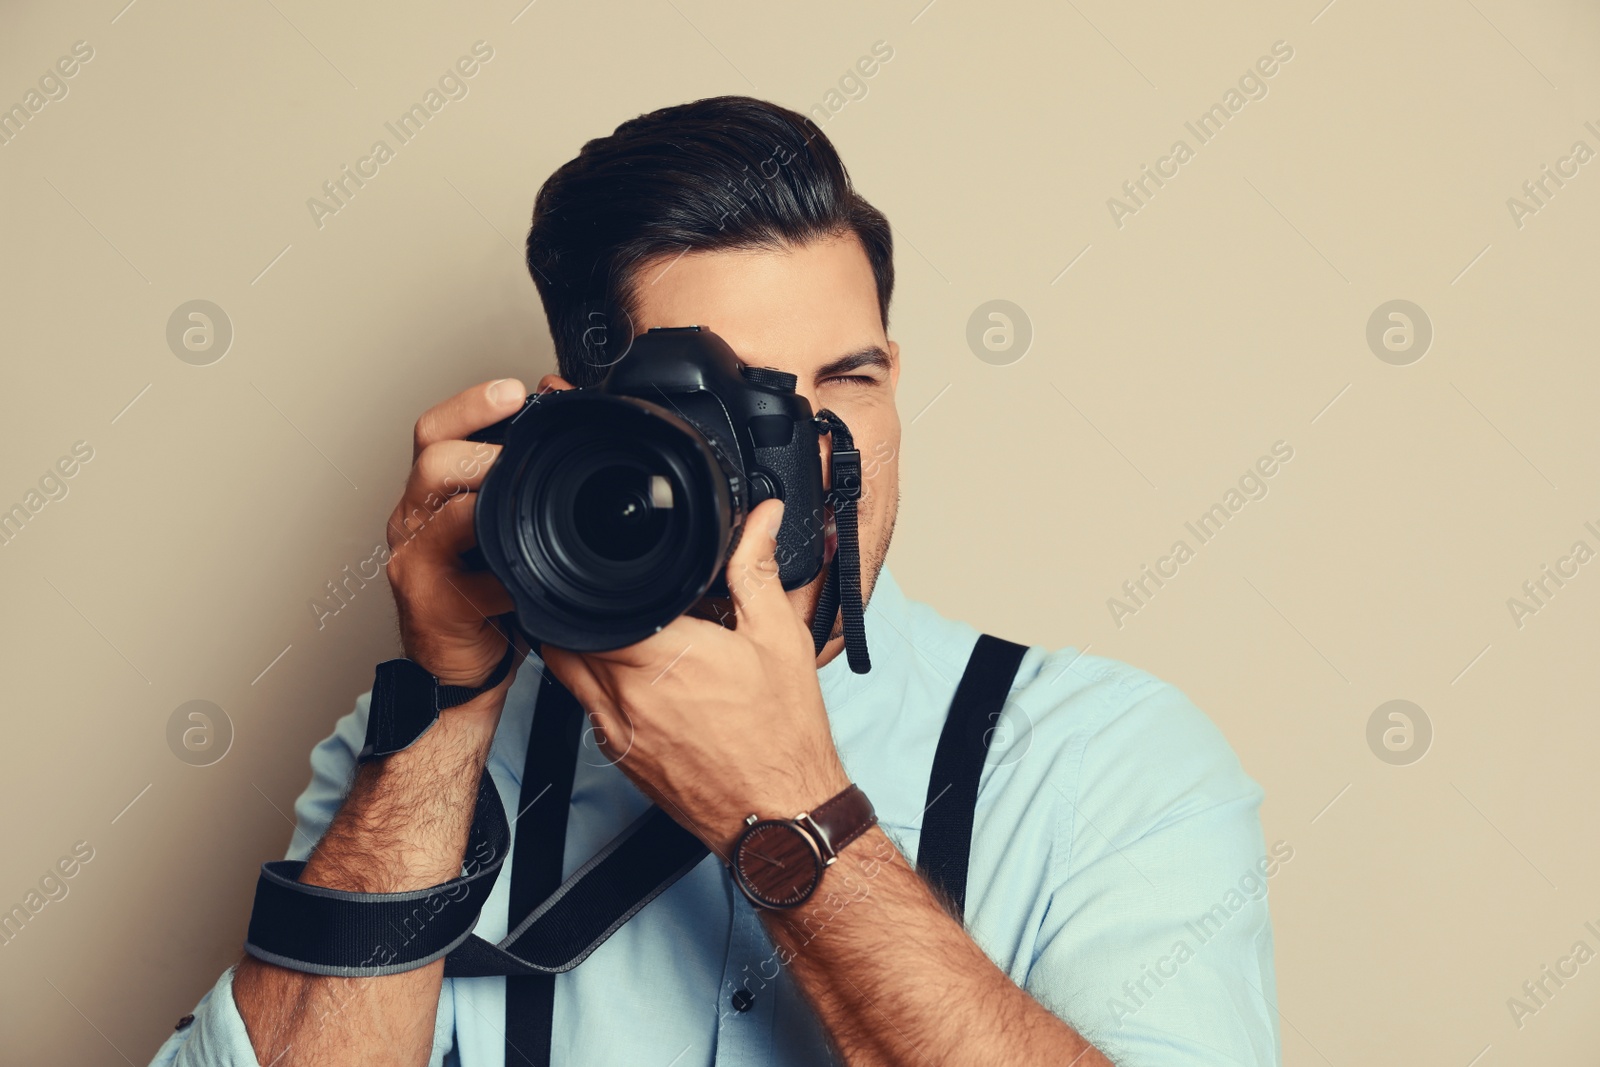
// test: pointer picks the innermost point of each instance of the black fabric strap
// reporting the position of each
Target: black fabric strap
(327, 931)
(980, 697)
(453, 696)
(827, 608)
(407, 700)
(536, 864)
(841, 590)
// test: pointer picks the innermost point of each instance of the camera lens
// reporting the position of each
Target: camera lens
(598, 526)
(606, 518)
(620, 512)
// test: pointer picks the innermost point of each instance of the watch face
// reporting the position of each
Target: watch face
(777, 864)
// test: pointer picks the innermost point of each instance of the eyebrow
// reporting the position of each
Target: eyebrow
(871, 356)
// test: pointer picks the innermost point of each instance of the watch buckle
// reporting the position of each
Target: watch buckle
(819, 835)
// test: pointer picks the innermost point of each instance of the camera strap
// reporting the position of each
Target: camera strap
(332, 932)
(841, 590)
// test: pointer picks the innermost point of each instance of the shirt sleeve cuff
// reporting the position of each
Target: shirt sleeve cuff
(216, 1037)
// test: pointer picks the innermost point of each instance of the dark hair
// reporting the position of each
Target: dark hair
(725, 172)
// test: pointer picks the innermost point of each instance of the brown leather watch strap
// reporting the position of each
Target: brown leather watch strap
(842, 819)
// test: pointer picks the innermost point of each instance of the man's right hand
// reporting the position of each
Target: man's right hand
(444, 609)
(403, 825)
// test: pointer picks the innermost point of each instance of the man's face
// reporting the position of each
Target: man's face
(811, 310)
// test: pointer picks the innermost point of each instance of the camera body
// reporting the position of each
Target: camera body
(612, 509)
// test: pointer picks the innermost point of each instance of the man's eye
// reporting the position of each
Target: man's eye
(854, 379)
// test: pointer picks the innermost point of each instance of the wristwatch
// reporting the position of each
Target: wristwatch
(407, 700)
(778, 863)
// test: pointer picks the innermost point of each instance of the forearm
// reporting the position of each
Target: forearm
(896, 981)
(402, 827)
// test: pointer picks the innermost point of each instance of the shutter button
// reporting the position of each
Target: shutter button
(743, 1000)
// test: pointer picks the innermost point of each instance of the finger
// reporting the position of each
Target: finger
(425, 552)
(448, 468)
(651, 653)
(574, 672)
(441, 527)
(614, 729)
(554, 383)
(753, 581)
(468, 412)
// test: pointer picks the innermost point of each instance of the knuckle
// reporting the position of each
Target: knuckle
(759, 573)
(432, 462)
(409, 520)
(443, 468)
(422, 434)
(456, 510)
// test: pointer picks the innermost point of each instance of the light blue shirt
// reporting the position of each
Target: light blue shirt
(1118, 874)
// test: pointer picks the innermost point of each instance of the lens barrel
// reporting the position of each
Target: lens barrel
(605, 517)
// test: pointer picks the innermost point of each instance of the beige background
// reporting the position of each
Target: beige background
(1227, 314)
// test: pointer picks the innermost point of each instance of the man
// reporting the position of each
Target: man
(1114, 829)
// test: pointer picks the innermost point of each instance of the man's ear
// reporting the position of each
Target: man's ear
(554, 382)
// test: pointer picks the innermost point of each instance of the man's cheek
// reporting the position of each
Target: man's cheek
(880, 475)
(882, 454)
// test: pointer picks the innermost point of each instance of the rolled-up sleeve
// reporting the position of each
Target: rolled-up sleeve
(217, 1037)
(1160, 892)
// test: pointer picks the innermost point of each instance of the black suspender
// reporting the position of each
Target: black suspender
(324, 931)
(958, 763)
(541, 841)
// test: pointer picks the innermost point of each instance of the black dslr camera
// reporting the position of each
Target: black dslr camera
(611, 510)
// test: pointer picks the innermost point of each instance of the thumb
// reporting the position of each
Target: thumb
(573, 671)
(753, 581)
